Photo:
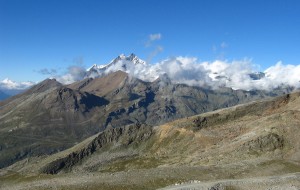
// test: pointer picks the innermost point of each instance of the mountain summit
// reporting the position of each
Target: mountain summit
(122, 62)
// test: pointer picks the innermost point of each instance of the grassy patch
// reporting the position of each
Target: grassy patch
(287, 167)
(13, 178)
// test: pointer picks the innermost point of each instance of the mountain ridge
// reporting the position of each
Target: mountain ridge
(184, 70)
(49, 110)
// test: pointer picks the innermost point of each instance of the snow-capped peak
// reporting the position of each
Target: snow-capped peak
(122, 56)
(92, 67)
(132, 58)
(122, 62)
(136, 60)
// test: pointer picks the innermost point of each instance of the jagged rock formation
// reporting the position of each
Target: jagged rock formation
(123, 136)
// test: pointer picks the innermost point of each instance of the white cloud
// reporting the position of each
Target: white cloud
(188, 70)
(8, 84)
(282, 74)
(75, 73)
(153, 37)
(157, 49)
(185, 70)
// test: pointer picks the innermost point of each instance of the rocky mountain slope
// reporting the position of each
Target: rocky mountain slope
(252, 140)
(51, 117)
(45, 119)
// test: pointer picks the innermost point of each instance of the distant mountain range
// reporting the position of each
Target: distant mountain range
(3, 95)
(6, 93)
(132, 63)
(11, 88)
(177, 70)
(50, 116)
(130, 125)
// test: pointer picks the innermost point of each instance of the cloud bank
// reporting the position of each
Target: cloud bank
(8, 84)
(239, 74)
(74, 73)
(154, 37)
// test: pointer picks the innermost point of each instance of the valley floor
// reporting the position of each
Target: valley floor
(185, 177)
(283, 182)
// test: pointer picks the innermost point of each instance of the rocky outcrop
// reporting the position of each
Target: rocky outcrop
(66, 100)
(269, 142)
(122, 136)
(217, 186)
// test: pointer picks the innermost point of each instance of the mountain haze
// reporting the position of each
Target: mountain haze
(3, 95)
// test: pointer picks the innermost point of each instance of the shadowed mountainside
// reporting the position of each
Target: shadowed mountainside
(46, 119)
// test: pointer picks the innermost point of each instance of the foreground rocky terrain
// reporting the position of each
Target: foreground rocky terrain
(250, 146)
(51, 117)
(283, 182)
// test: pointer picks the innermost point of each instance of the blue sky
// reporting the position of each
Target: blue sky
(55, 34)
